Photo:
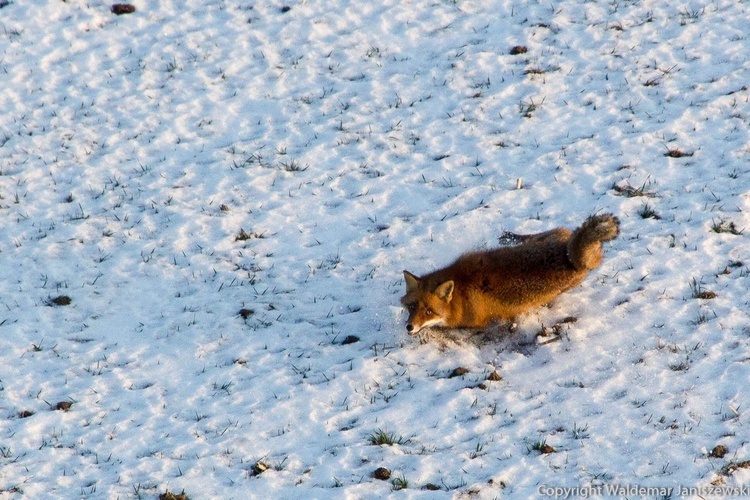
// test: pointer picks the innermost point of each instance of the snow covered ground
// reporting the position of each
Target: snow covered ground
(225, 191)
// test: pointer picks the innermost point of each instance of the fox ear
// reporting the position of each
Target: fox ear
(445, 291)
(412, 282)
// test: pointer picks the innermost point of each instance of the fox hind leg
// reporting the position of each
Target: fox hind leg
(560, 234)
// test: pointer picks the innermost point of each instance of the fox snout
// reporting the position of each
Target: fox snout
(416, 320)
(412, 325)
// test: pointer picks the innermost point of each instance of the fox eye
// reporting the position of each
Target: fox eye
(428, 312)
(412, 307)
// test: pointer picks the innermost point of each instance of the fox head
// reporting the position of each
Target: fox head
(426, 307)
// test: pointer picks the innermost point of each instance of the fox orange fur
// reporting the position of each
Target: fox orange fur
(502, 283)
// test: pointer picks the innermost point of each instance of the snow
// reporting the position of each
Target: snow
(167, 168)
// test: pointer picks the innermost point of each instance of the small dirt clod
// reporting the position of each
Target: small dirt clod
(62, 300)
(245, 313)
(259, 468)
(382, 473)
(719, 451)
(546, 449)
(168, 495)
(677, 153)
(122, 8)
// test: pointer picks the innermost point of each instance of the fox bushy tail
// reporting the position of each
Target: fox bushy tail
(585, 245)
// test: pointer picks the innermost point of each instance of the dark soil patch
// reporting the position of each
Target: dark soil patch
(62, 300)
(382, 473)
(719, 451)
(122, 8)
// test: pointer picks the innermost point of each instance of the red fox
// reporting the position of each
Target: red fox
(502, 283)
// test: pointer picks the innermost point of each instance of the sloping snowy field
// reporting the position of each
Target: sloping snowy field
(226, 191)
